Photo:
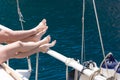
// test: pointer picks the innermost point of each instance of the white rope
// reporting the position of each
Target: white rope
(76, 73)
(37, 65)
(83, 40)
(105, 64)
(98, 25)
(67, 62)
(21, 21)
(21, 18)
(66, 72)
(28, 58)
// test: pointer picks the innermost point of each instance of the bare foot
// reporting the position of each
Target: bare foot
(38, 36)
(45, 47)
(42, 48)
(41, 26)
(46, 40)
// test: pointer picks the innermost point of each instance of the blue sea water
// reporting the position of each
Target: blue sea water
(64, 21)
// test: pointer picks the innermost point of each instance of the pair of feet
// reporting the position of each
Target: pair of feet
(45, 44)
(40, 30)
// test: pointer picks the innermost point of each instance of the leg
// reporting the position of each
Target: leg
(40, 26)
(36, 37)
(33, 38)
(26, 46)
(14, 49)
(8, 35)
(43, 48)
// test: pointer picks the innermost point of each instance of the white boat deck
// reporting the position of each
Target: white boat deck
(7, 73)
(4, 75)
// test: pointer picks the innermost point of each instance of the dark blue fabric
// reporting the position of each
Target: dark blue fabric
(111, 62)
